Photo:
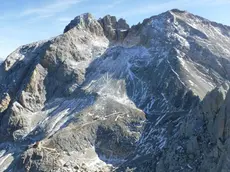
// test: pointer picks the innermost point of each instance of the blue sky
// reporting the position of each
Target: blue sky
(25, 21)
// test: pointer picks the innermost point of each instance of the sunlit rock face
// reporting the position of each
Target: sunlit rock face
(104, 96)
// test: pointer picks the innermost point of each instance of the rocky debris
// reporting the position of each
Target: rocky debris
(106, 97)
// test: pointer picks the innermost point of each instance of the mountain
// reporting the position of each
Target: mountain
(104, 96)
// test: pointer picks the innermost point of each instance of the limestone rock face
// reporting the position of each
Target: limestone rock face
(5, 101)
(196, 141)
(106, 97)
(85, 22)
(114, 30)
(33, 95)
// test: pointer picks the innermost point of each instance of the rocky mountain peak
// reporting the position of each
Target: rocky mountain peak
(85, 21)
(175, 10)
(114, 30)
(79, 21)
(107, 97)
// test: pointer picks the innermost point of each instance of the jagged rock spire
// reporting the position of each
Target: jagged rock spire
(114, 30)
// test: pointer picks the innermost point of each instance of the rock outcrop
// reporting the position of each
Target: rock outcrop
(5, 101)
(106, 97)
(114, 30)
(196, 141)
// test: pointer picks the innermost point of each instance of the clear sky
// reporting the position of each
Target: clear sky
(25, 21)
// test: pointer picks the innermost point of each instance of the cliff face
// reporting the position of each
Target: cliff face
(193, 141)
(104, 96)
